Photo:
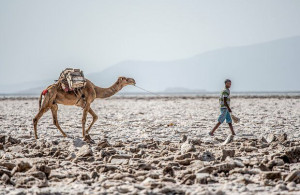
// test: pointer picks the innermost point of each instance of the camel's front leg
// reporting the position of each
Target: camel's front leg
(85, 111)
(54, 109)
(95, 118)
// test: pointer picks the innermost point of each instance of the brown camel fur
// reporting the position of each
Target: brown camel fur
(56, 95)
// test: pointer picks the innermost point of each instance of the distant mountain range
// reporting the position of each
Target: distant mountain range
(269, 66)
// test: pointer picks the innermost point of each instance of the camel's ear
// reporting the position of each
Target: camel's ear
(121, 78)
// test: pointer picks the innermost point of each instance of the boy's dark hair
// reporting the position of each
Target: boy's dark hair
(227, 80)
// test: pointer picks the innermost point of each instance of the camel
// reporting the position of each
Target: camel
(54, 94)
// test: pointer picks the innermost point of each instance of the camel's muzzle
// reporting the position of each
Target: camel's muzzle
(131, 81)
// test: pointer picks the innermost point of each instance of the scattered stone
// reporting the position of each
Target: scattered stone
(145, 166)
(271, 175)
(248, 149)
(84, 177)
(244, 180)
(196, 142)
(154, 175)
(293, 177)
(43, 168)
(270, 138)
(169, 171)
(2, 139)
(94, 175)
(38, 174)
(226, 153)
(183, 156)
(281, 187)
(185, 162)
(126, 189)
(168, 179)
(293, 155)
(208, 169)
(5, 178)
(187, 147)
(106, 168)
(8, 165)
(21, 167)
(228, 140)
(263, 167)
(58, 175)
(207, 156)
(119, 144)
(183, 138)
(189, 179)
(172, 190)
(225, 167)
(151, 183)
(3, 170)
(119, 159)
(282, 137)
(275, 162)
(13, 140)
(77, 142)
(291, 186)
(103, 144)
(201, 178)
(263, 140)
(85, 151)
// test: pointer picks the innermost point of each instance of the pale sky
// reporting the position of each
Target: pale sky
(39, 38)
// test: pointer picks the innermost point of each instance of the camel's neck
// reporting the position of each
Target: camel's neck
(107, 92)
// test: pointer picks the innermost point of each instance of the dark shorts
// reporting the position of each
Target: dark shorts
(224, 115)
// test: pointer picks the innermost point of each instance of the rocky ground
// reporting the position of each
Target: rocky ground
(152, 146)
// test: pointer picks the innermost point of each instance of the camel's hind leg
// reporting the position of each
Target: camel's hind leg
(95, 118)
(44, 107)
(54, 109)
(37, 118)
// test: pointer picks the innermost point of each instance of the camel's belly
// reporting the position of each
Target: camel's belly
(67, 99)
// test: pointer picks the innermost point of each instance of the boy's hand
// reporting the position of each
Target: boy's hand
(229, 110)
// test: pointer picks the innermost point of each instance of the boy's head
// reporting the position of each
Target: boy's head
(227, 83)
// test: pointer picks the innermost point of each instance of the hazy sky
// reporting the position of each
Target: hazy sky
(40, 38)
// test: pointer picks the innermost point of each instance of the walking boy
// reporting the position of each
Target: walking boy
(225, 109)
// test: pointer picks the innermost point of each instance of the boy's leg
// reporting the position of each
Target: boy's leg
(229, 121)
(231, 128)
(214, 129)
(220, 121)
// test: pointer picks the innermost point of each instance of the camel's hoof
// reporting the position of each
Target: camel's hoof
(88, 139)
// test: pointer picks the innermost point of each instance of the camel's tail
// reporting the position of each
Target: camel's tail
(40, 100)
(44, 92)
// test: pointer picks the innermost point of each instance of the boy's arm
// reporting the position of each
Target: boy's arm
(225, 103)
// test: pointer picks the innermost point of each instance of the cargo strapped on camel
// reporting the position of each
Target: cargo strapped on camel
(72, 79)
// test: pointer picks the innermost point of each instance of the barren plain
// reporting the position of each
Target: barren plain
(148, 145)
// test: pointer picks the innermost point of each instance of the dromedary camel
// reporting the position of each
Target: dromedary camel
(54, 95)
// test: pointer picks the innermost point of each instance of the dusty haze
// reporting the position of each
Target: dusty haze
(40, 38)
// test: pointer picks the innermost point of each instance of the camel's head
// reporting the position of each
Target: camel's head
(126, 81)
